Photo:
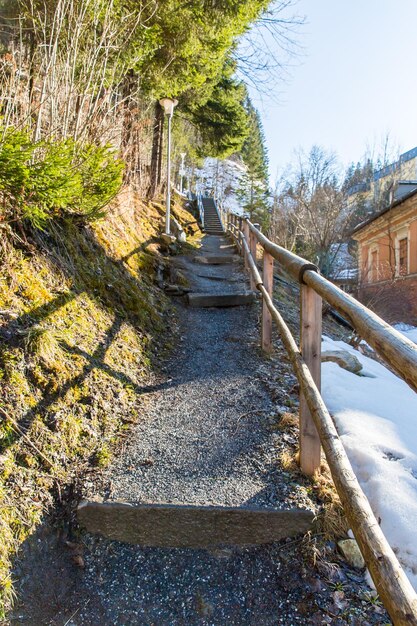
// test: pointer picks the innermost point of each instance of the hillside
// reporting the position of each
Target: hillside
(82, 323)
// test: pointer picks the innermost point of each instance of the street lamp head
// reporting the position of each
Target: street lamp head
(168, 105)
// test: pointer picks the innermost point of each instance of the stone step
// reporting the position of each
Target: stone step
(184, 526)
(220, 299)
(216, 259)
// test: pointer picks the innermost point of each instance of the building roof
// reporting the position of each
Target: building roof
(392, 205)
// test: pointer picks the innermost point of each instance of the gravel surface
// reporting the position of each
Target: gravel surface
(208, 436)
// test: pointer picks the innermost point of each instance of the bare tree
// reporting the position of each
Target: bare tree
(67, 74)
(309, 211)
(265, 54)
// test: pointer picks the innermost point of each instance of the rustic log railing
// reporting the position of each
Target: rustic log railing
(200, 208)
(316, 425)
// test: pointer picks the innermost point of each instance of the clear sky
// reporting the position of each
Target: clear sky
(356, 81)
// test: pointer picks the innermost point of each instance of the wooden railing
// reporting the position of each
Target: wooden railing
(317, 429)
(200, 208)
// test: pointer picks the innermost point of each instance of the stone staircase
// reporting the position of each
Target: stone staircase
(124, 517)
(212, 221)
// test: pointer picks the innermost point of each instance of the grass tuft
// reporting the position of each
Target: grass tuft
(331, 521)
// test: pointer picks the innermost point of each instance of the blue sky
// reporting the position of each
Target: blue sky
(355, 82)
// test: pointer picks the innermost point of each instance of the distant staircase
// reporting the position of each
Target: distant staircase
(212, 222)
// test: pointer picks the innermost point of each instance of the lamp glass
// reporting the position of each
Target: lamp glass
(168, 105)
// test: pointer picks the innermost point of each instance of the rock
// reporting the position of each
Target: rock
(177, 230)
(175, 290)
(350, 550)
(168, 239)
(344, 359)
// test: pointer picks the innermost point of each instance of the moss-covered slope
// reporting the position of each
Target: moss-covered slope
(81, 317)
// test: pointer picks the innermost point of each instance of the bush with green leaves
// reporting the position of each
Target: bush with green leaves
(48, 179)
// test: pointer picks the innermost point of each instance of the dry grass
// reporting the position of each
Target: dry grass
(289, 461)
(331, 521)
(288, 420)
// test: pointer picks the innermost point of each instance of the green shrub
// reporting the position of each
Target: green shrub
(44, 180)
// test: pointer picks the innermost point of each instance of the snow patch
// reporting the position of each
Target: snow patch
(407, 330)
(376, 418)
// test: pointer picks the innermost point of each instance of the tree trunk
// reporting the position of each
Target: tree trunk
(32, 69)
(156, 157)
(127, 142)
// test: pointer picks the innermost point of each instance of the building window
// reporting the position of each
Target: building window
(403, 256)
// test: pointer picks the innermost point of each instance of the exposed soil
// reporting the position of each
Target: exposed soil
(208, 435)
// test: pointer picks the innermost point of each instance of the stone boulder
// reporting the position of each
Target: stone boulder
(177, 230)
(350, 550)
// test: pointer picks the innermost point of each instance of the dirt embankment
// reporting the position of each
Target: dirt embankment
(81, 323)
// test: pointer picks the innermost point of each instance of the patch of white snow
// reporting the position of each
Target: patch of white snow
(376, 418)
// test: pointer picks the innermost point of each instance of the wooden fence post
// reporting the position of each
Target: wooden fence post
(240, 226)
(268, 281)
(310, 327)
(246, 235)
(252, 248)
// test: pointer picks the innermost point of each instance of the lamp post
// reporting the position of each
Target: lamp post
(168, 105)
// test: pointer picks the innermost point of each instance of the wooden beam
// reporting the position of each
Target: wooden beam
(310, 327)
(252, 247)
(188, 526)
(245, 231)
(268, 281)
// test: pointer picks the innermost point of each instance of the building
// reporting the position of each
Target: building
(344, 267)
(387, 249)
(375, 191)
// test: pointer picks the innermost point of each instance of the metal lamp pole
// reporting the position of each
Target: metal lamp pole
(168, 105)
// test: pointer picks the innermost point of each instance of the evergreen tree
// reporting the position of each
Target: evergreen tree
(254, 191)
(222, 120)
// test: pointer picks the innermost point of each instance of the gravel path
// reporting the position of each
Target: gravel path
(208, 436)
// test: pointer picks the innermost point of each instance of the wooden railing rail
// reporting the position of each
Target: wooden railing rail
(391, 582)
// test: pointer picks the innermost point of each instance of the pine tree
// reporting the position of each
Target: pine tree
(254, 191)
(222, 121)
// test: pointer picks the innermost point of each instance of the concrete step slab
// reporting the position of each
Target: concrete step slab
(220, 299)
(222, 278)
(216, 259)
(184, 526)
